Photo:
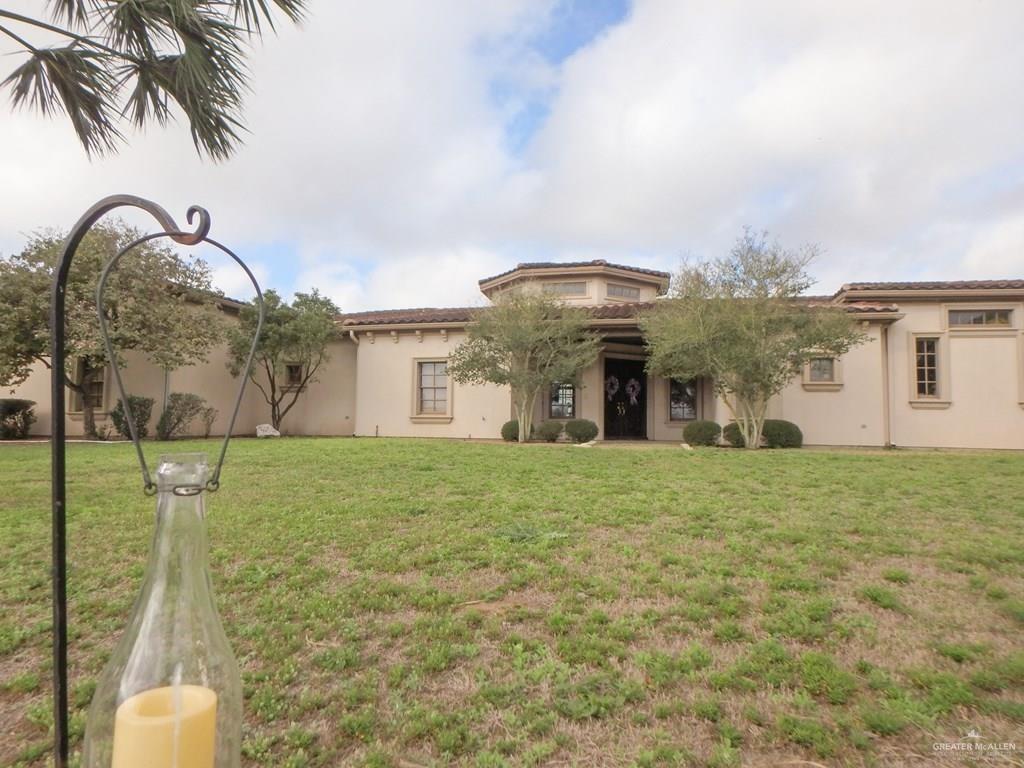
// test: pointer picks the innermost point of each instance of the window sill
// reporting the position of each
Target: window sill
(96, 415)
(679, 422)
(983, 332)
(933, 405)
(425, 419)
(822, 386)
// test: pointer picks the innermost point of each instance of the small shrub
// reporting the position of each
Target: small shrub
(776, 433)
(207, 416)
(510, 431)
(732, 435)
(581, 430)
(549, 431)
(16, 418)
(779, 433)
(141, 409)
(181, 408)
(702, 433)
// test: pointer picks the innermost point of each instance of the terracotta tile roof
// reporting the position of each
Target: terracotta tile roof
(619, 311)
(935, 285)
(526, 265)
(850, 306)
(403, 316)
(869, 306)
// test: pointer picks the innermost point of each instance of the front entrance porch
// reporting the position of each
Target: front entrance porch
(625, 402)
(625, 399)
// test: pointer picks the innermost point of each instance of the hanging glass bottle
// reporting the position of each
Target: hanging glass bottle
(171, 695)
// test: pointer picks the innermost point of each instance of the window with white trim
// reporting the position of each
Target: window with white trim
(926, 366)
(432, 387)
(293, 375)
(94, 394)
(563, 401)
(821, 370)
(682, 400)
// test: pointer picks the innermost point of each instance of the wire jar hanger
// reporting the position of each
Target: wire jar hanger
(213, 484)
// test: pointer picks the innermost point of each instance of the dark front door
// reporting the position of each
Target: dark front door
(625, 399)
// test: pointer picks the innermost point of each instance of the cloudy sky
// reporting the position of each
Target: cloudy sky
(402, 149)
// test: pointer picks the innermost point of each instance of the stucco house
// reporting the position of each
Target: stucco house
(943, 367)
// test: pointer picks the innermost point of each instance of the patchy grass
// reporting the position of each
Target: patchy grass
(419, 603)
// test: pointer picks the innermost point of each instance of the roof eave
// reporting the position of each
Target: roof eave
(857, 294)
(518, 274)
(406, 326)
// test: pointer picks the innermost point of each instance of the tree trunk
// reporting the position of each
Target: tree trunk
(747, 424)
(524, 415)
(751, 422)
(88, 413)
(524, 420)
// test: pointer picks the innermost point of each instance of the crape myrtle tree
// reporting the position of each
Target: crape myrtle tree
(140, 61)
(741, 322)
(292, 348)
(156, 302)
(527, 341)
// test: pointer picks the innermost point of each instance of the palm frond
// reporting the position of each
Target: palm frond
(190, 52)
(74, 13)
(74, 81)
(251, 14)
(148, 98)
(212, 109)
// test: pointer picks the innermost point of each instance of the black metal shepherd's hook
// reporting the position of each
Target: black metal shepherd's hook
(57, 424)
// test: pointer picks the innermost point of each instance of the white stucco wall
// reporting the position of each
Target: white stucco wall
(328, 406)
(385, 375)
(981, 380)
(849, 415)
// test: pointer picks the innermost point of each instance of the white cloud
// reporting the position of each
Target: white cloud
(445, 277)
(845, 124)
(230, 279)
(379, 153)
(998, 251)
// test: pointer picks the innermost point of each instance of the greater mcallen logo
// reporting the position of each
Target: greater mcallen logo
(974, 742)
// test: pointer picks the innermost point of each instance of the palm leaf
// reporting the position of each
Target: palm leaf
(252, 13)
(74, 13)
(186, 51)
(73, 81)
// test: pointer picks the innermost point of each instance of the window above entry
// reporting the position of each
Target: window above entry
(982, 319)
(567, 288)
(997, 317)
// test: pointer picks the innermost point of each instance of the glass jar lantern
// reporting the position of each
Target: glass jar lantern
(171, 694)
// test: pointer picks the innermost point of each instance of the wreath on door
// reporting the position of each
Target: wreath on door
(611, 386)
(633, 390)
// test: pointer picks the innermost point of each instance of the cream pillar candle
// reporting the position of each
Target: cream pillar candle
(170, 727)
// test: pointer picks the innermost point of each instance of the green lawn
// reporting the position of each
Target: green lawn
(426, 603)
